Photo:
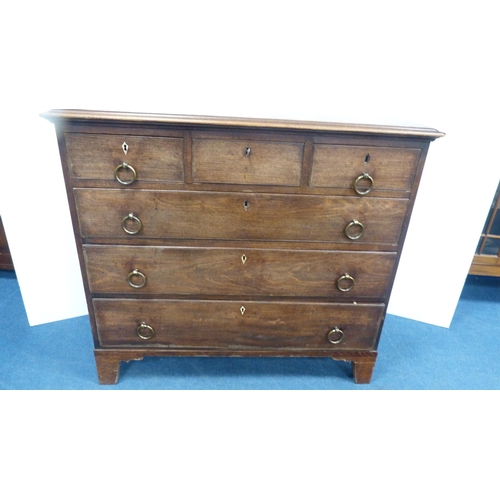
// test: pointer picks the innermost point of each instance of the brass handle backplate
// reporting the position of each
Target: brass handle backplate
(128, 168)
(135, 220)
(136, 279)
(349, 230)
(357, 187)
(336, 335)
(144, 331)
(345, 278)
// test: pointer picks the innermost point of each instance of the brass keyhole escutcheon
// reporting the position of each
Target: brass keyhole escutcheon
(246, 204)
(242, 310)
(243, 258)
(125, 148)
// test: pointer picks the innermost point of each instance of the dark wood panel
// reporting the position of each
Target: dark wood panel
(340, 166)
(237, 271)
(238, 216)
(5, 257)
(237, 324)
(108, 360)
(96, 156)
(228, 161)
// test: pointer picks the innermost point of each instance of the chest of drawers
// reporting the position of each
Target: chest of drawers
(202, 236)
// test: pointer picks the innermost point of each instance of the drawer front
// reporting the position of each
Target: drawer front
(230, 161)
(238, 216)
(237, 271)
(96, 156)
(236, 324)
(340, 166)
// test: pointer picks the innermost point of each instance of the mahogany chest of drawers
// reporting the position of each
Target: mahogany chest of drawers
(202, 236)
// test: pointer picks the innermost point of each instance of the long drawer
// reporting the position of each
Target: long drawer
(237, 324)
(237, 271)
(238, 216)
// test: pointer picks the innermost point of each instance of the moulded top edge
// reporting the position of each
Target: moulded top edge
(183, 120)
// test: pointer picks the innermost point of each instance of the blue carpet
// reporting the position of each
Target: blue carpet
(412, 355)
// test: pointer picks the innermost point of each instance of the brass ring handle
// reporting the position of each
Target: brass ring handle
(145, 331)
(345, 277)
(363, 176)
(131, 217)
(136, 274)
(355, 236)
(125, 166)
(336, 335)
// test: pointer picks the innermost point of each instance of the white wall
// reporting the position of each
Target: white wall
(429, 63)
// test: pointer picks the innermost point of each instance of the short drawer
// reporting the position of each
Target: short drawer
(117, 157)
(238, 216)
(237, 271)
(344, 166)
(237, 324)
(229, 161)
